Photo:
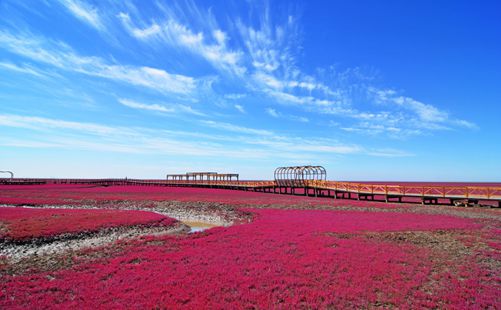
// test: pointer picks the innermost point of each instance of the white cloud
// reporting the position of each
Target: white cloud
(272, 112)
(37, 123)
(212, 46)
(171, 108)
(189, 110)
(374, 129)
(257, 144)
(27, 143)
(84, 12)
(336, 149)
(270, 49)
(425, 116)
(234, 96)
(240, 108)
(142, 106)
(238, 129)
(22, 69)
(268, 46)
(61, 56)
(465, 124)
(268, 80)
(426, 112)
(301, 119)
(326, 106)
(389, 153)
(142, 34)
(323, 146)
(82, 136)
(264, 55)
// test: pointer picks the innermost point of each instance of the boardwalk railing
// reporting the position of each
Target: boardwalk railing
(436, 191)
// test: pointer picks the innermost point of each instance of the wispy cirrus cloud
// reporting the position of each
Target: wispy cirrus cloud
(26, 69)
(42, 123)
(155, 107)
(374, 129)
(212, 46)
(385, 152)
(274, 113)
(425, 112)
(142, 106)
(263, 56)
(273, 68)
(275, 71)
(239, 108)
(256, 144)
(424, 116)
(237, 129)
(323, 146)
(81, 135)
(84, 12)
(63, 57)
(138, 33)
(234, 96)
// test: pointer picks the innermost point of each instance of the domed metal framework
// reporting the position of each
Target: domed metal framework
(9, 172)
(299, 176)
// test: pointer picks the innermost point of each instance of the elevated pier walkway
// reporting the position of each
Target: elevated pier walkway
(424, 194)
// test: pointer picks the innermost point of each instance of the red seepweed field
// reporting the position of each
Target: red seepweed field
(26, 224)
(281, 252)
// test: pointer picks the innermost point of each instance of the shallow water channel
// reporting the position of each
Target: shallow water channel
(196, 226)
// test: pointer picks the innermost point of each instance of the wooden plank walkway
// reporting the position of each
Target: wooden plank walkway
(425, 194)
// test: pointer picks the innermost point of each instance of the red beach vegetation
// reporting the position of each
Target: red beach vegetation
(23, 224)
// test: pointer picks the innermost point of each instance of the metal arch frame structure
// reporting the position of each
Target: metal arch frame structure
(9, 172)
(299, 176)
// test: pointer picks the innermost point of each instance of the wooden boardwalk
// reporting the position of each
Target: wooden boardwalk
(425, 194)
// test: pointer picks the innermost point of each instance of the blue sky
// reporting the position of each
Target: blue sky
(372, 90)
